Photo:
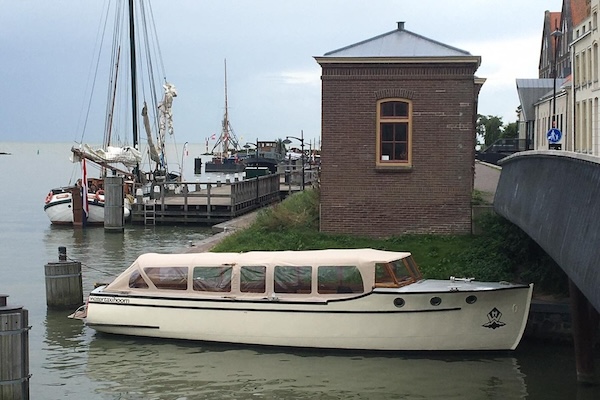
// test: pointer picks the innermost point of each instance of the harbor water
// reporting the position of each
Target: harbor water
(70, 361)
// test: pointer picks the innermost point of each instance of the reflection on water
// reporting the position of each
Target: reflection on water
(144, 369)
(80, 363)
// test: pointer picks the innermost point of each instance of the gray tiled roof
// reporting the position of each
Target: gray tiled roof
(398, 43)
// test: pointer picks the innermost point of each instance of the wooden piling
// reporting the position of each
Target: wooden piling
(114, 220)
(64, 287)
(77, 207)
(584, 326)
(14, 348)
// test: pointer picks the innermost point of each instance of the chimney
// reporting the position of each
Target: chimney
(401, 25)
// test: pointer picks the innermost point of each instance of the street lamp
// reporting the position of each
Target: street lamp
(557, 34)
(301, 139)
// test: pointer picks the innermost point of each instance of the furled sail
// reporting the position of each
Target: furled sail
(165, 108)
(151, 147)
(126, 155)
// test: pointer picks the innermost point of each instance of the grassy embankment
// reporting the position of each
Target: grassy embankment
(502, 252)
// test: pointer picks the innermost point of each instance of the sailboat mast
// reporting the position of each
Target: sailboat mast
(225, 119)
(133, 76)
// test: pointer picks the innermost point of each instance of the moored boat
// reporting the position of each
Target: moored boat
(115, 156)
(59, 206)
(338, 298)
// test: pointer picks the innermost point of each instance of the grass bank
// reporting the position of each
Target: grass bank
(503, 252)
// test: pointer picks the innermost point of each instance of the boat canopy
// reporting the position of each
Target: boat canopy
(333, 271)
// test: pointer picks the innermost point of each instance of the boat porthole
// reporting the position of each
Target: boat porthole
(399, 302)
(471, 299)
(435, 301)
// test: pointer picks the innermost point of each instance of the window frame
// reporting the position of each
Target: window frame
(380, 120)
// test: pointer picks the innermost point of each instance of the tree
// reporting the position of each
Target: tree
(280, 148)
(489, 129)
(511, 130)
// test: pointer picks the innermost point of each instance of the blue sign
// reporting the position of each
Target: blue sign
(554, 135)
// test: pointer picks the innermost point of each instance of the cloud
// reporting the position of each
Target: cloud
(306, 77)
(505, 60)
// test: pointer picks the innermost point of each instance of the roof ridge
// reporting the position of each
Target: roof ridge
(399, 30)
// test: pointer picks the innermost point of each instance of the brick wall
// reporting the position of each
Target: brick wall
(435, 195)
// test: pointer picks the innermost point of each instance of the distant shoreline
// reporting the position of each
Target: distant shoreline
(2, 153)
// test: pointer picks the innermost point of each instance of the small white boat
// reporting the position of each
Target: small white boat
(59, 207)
(340, 298)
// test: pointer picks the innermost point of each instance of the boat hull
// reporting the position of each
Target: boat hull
(223, 167)
(388, 319)
(59, 209)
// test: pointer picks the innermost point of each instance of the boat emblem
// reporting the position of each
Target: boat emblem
(494, 319)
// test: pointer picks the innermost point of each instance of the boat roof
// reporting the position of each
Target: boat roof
(289, 257)
(364, 259)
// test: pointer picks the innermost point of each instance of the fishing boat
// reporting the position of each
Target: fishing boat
(119, 154)
(267, 154)
(338, 298)
(225, 158)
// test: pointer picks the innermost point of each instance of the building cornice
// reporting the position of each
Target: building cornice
(399, 60)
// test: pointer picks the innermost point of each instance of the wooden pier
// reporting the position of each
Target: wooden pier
(204, 202)
(210, 203)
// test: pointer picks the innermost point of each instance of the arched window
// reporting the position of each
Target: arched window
(394, 133)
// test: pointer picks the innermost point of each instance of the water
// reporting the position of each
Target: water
(70, 361)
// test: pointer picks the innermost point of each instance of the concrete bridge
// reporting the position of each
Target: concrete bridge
(554, 197)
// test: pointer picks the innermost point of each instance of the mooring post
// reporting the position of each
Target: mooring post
(584, 326)
(14, 351)
(64, 287)
(77, 207)
(113, 204)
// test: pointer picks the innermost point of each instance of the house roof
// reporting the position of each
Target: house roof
(530, 91)
(580, 10)
(399, 43)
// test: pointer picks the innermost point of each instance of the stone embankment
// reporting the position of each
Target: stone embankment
(221, 231)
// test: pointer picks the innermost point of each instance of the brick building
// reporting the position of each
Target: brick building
(398, 136)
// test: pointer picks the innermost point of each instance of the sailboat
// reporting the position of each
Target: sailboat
(227, 146)
(124, 159)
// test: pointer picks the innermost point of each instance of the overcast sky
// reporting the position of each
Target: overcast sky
(46, 49)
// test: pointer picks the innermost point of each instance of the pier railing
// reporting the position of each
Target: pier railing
(204, 202)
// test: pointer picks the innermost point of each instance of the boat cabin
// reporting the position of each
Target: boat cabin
(274, 274)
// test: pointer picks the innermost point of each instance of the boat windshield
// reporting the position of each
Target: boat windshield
(396, 273)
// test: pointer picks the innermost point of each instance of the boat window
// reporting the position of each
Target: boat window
(172, 278)
(384, 275)
(136, 280)
(392, 274)
(212, 279)
(413, 268)
(252, 279)
(339, 279)
(292, 279)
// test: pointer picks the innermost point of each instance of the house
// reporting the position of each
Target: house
(568, 69)
(398, 136)
(585, 129)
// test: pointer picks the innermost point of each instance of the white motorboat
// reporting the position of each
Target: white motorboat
(59, 206)
(338, 298)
